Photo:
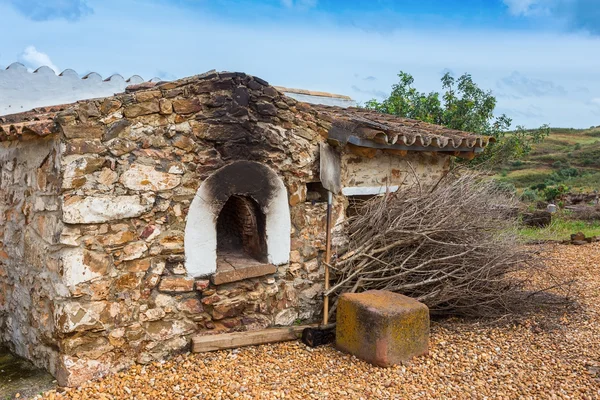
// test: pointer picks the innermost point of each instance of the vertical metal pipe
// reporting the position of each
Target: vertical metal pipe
(327, 257)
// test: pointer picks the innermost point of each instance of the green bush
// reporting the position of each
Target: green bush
(530, 196)
(539, 186)
(561, 175)
(552, 192)
(568, 172)
(557, 164)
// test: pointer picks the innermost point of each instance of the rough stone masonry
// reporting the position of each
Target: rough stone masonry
(95, 196)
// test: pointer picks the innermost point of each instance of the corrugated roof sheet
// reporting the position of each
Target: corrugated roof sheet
(22, 89)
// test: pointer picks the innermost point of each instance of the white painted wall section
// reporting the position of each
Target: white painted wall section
(278, 226)
(200, 240)
(369, 190)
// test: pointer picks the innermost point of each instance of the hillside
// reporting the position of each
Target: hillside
(568, 157)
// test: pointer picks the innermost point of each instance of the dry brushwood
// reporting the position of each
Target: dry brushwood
(452, 245)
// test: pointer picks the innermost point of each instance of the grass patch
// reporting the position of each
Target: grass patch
(568, 156)
(574, 139)
(550, 158)
(561, 229)
(550, 147)
(593, 133)
(588, 182)
(526, 177)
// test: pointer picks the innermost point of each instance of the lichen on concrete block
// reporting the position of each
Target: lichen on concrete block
(382, 327)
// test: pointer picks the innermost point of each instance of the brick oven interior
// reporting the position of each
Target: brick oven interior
(241, 232)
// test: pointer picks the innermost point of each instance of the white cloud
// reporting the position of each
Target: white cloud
(46, 10)
(526, 7)
(379, 94)
(574, 15)
(525, 86)
(32, 58)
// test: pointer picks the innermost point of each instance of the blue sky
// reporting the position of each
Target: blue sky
(541, 58)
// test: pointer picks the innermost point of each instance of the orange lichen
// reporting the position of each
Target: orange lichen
(381, 327)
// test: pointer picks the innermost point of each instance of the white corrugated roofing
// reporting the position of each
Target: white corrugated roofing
(22, 90)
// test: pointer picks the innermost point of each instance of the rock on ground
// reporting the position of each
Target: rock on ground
(551, 353)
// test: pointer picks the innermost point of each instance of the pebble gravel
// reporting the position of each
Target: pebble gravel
(548, 354)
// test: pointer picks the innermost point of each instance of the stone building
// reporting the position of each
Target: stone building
(131, 222)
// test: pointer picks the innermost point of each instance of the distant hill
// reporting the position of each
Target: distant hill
(568, 156)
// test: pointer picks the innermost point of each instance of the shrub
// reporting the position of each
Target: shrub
(529, 196)
(561, 175)
(568, 172)
(552, 192)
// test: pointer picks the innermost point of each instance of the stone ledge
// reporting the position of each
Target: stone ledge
(240, 273)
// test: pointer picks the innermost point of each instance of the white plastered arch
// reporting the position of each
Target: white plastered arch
(245, 178)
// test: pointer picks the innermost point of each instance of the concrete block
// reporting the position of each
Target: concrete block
(382, 327)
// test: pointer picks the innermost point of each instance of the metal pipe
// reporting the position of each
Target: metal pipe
(327, 257)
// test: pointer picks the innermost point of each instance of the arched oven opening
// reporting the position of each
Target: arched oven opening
(241, 233)
(238, 226)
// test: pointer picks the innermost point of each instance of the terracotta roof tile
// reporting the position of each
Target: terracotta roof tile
(312, 93)
(36, 122)
(351, 125)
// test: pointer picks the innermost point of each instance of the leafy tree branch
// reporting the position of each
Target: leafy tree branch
(463, 106)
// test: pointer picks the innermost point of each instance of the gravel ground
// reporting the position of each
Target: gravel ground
(551, 353)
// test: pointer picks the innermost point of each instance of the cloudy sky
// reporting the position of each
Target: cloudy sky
(541, 58)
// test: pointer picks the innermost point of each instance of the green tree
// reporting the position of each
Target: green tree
(463, 106)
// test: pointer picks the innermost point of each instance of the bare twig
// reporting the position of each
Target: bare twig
(452, 245)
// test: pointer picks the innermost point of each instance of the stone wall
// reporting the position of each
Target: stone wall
(29, 230)
(131, 167)
(105, 223)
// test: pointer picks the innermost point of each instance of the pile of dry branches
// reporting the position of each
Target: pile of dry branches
(451, 246)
